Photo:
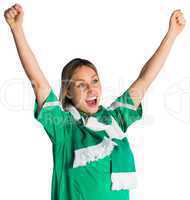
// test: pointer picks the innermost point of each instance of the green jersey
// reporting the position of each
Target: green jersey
(91, 181)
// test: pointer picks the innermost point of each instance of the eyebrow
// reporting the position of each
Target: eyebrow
(83, 79)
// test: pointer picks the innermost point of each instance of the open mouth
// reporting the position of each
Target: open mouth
(92, 101)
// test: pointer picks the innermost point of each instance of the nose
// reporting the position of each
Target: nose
(89, 87)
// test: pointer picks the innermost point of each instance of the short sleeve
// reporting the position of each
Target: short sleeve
(124, 111)
(56, 122)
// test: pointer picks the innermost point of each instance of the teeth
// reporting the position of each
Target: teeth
(91, 98)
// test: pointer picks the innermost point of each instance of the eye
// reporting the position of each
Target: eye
(81, 85)
(95, 81)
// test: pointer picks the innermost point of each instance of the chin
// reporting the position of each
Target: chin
(91, 110)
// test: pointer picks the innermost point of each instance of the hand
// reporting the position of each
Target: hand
(14, 16)
(177, 23)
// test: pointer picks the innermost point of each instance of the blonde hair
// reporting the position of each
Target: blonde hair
(66, 76)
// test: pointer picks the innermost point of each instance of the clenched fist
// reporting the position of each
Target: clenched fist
(177, 23)
(14, 16)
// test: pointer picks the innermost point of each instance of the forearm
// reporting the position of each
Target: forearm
(156, 62)
(152, 67)
(28, 60)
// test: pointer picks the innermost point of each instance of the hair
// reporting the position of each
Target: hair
(66, 76)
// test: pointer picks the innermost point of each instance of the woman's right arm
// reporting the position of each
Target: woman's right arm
(47, 108)
(40, 85)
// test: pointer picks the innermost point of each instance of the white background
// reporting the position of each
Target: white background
(118, 37)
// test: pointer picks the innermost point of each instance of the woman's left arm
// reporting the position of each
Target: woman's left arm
(152, 67)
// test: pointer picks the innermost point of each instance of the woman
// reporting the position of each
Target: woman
(92, 156)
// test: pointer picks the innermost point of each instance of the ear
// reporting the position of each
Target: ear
(68, 94)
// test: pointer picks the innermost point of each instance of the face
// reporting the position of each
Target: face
(85, 90)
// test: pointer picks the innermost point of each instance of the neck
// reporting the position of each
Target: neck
(85, 113)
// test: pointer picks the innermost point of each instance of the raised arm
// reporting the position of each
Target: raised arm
(152, 67)
(14, 18)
